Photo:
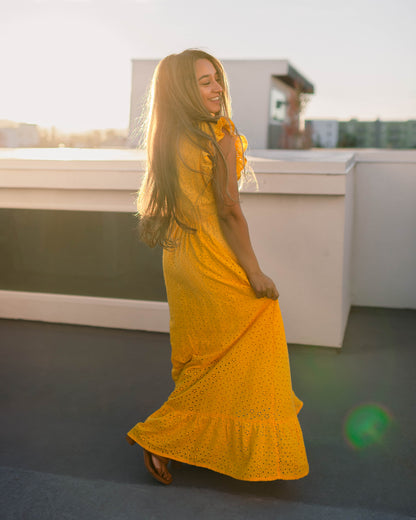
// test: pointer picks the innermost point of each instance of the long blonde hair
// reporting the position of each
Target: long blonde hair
(175, 108)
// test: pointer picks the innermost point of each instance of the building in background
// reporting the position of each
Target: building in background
(324, 132)
(262, 93)
(362, 134)
(377, 134)
(14, 135)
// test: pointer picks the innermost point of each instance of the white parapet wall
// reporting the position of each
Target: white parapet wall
(309, 222)
(85, 310)
(301, 223)
(384, 235)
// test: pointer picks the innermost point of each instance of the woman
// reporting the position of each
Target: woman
(233, 409)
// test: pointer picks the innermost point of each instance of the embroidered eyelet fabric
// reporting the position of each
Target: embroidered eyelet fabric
(233, 409)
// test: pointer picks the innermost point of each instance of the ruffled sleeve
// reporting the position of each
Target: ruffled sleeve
(240, 145)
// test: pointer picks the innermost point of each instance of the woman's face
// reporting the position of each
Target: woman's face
(209, 86)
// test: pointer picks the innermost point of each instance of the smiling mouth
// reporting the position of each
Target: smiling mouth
(215, 99)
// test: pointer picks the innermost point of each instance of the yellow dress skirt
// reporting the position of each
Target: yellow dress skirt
(233, 409)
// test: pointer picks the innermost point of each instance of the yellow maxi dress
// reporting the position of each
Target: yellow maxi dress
(233, 409)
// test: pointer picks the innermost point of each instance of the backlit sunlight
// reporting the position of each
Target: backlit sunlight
(68, 72)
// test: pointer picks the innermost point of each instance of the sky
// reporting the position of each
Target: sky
(67, 63)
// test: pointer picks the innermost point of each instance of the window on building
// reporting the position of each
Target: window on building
(277, 105)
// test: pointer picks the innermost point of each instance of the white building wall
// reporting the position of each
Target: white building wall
(347, 272)
(142, 72)
(19, 135)
(250, 84)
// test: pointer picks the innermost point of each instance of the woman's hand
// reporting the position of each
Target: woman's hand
(263, 286)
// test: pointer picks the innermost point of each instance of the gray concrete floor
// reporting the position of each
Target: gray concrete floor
(70, 393)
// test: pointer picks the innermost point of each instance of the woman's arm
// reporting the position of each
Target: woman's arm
(233, 223)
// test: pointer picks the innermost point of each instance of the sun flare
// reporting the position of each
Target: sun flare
(68, 72)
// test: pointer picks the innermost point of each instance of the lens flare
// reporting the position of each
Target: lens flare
(366, 425)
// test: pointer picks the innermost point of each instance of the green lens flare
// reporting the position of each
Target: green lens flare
(366, 424)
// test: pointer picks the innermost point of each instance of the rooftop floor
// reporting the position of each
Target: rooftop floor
(70, 394)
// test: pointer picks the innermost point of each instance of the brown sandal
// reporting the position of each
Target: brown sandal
(152, 470)
(149, 463)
